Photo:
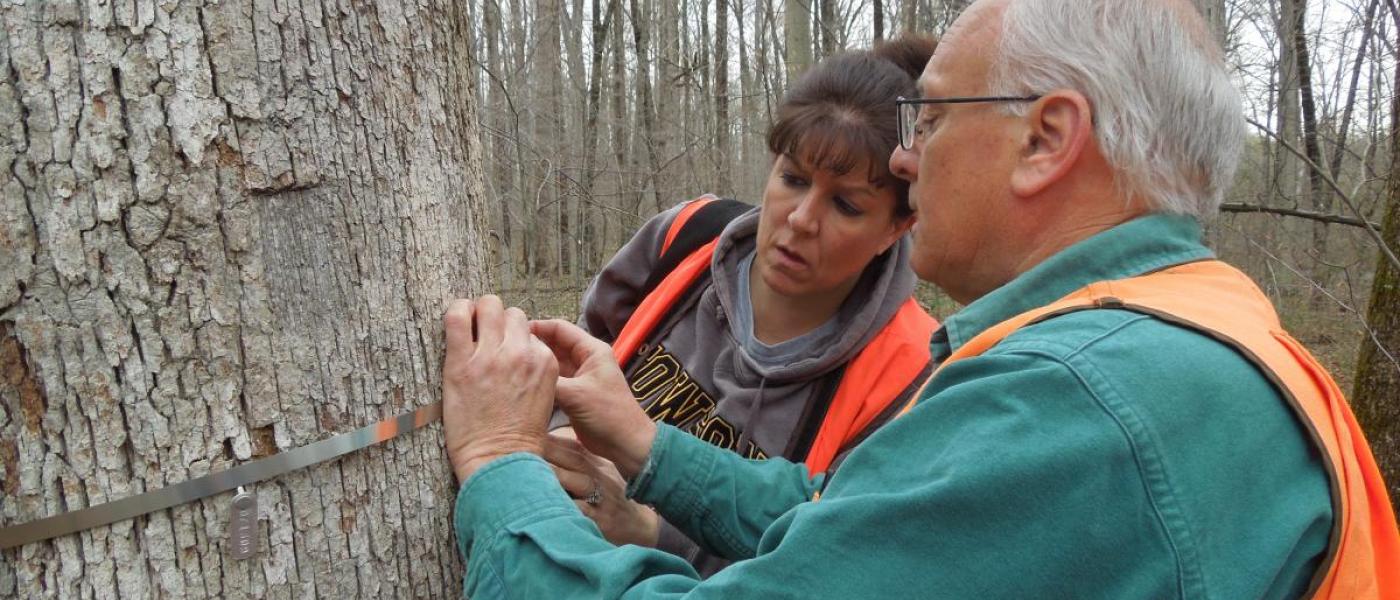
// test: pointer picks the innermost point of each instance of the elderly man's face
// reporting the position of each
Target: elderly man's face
(960, 166)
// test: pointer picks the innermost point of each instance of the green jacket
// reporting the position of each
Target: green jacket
(1099, 454)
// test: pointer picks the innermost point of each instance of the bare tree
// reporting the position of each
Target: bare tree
(723, 182)
(1378, 371)
(228, 230)
(797, 36)
(877, 10)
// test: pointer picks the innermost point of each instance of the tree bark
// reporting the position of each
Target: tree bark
(797, 37)
(593, 222)
(826, 27)
(909, 16)
(723, 183)
(645, 111)
(229, 230)
(877, 9)
(1287, 168)
(622, 135)
(1377, 374)
(1317, 190)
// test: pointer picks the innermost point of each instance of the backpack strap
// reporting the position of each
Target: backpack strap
(699, 222)
(685, 258)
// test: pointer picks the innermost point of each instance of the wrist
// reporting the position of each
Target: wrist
(634, 455)
(467, 460)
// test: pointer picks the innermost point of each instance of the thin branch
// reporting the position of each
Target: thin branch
(1240, 207)
(1376, 235)
(1360, 318)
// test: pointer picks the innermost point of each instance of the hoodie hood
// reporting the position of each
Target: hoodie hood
(884, 285)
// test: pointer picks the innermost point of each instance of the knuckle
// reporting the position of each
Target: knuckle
(458, 313)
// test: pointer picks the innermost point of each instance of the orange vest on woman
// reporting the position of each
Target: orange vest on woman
(1363, 556)
(873, 380)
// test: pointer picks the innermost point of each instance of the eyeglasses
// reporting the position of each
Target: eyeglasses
(908, 109)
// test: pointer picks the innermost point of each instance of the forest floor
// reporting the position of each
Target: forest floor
(1330, 332)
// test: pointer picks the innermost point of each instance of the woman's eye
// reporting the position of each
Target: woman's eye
(793, 181)
(846, 207)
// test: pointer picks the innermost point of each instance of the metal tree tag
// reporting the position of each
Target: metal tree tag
(243, 525)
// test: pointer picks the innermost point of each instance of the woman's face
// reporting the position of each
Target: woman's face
(818, 230)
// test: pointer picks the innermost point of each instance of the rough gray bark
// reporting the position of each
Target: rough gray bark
(229, 229)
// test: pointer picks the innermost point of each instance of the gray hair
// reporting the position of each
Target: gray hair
(1166, 116)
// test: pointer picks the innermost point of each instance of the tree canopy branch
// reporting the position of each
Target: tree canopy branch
(1241, 207)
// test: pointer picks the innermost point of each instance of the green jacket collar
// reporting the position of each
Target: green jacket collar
(1139, 246)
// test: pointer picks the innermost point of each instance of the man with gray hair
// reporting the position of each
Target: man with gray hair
(1116, 413)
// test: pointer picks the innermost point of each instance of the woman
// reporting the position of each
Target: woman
(794, 332)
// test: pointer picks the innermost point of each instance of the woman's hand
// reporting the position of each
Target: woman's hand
(600, 492)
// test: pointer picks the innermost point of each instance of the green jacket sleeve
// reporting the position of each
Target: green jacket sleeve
(1019, 475)
(718, 499)
(937, 503)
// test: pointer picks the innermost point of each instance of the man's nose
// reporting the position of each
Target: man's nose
(904, 164)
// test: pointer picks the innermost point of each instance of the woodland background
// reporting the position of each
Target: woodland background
(596, 114)
(229, 228)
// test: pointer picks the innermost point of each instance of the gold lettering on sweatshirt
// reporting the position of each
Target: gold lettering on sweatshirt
(669, 395)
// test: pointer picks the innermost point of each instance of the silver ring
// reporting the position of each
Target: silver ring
(595, 496)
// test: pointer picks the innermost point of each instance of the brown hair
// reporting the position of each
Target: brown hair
(841, 111)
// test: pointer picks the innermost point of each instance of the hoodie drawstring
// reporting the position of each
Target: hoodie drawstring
(751, 420)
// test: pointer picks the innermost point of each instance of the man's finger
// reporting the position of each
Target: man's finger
(569, 342)
(515, 328)
(457, 325)
(490, 322)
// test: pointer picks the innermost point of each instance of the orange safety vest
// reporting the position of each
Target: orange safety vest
(1363, 555)
(872, 381)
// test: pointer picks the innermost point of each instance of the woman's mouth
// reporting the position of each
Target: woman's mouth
(788, 259)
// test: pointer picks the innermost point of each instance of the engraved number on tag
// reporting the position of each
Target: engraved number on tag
(243, 525)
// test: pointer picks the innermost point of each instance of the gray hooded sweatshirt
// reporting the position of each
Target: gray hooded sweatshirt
(693, 371)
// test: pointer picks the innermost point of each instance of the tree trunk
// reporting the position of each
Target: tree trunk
(1317, 190)
(594, 222)
(1348, 107)
(909, 16)
(877, 9)
(797, 36)
(1287, 169)
(1378, 374)
(622, 136)
(229, 230)
(500, 115)
(826, 26)
(645, 110)
(723, 182)
(1214, 13)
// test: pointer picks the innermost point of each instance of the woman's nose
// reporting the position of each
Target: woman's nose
(805, 217)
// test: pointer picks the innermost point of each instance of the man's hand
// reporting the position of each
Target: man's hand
(497, 384)
(593, 392)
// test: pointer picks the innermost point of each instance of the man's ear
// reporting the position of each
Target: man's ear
(1060, 126)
